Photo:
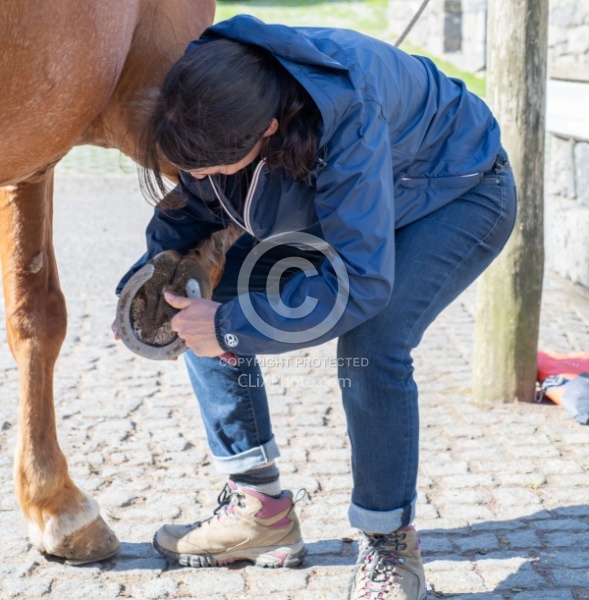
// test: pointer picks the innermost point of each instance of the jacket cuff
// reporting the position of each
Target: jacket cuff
(218, 334)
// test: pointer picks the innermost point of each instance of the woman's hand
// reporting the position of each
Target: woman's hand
(195, 323)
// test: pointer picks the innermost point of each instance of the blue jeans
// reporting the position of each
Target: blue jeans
(437, 258)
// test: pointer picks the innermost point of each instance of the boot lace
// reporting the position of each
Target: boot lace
(374, 574)
(226, 500)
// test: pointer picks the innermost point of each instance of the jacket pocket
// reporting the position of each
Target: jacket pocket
(446, 182)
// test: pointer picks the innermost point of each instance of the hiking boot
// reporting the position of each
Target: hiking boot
(247, 525)
(389, 567)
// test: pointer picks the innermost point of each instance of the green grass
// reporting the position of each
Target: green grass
(367, 16)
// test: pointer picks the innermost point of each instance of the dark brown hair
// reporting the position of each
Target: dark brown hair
(216, 103)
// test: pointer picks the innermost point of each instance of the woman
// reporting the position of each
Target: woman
(385, 191)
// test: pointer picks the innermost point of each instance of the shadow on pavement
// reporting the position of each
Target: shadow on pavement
(540, 554)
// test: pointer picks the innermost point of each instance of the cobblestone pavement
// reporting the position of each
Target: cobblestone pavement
(504, 493)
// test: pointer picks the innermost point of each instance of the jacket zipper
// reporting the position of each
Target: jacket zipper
(409, 178)
(250, 196)
(248, 199)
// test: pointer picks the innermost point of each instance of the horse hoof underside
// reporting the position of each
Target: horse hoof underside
(93, 543)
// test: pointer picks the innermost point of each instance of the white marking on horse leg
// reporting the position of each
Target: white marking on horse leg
(58, 527)
(37, 263)
(36, 536)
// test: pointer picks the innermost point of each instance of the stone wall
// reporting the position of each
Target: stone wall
(455, 30)
(568, 40)
(566, 203)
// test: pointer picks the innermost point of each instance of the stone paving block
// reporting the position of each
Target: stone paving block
(484, 596)
(503, 466)
(323, 581)
(449, 562)
(214, 597)
(329, 468)
(472, 514)
(513, 514)
(319, 595)
(90, 458)
(464, 431)
(59, 571)
(435, 544)
(136, 550)
(332, 454)
(545, 595)
(467, 481)
(424, 483)
(155, 589)
(296, 482)
(578, 479)
(116, 499)
(72, 589)
(499, 459)
(532, 480)
(137, 532)
(480, 544)
(267, 596)
(281, 580)
(294, 454)
(562, 525)
(8, 502)
(426, 511)
(324, 547)
(153, 514)
(574, 559)
(509, 571)
(455, 581)
(566, 539)
(207, 582)
(513, 496)
(174, 445)
(326, 511)
(336, 482)
(324, 441)
(334, 529)
(525, 539)
(561, 466)
(568, 578)
(90, 484)
(445, 468)
(16, 569)
(443, 524)
(151, 565)
(15, 547)
(26, 588)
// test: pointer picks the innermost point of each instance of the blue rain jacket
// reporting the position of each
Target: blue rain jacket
(398, 140)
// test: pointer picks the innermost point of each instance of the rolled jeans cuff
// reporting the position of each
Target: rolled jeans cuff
(378, 521)
(250, 459)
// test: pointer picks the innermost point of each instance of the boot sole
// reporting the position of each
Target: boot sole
(272, 557)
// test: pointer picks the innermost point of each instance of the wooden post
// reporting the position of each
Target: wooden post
(510, 291)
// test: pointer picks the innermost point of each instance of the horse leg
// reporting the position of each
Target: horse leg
(62, 520)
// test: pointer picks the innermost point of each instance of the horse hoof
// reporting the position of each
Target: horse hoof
(95, 542)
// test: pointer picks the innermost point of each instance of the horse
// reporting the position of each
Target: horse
(71, 73)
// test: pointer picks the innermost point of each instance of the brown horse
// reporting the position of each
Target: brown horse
(70, 74)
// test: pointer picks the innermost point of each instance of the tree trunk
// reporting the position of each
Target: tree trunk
(510, 291)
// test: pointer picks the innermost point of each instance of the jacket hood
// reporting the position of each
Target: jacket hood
(297, 53)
